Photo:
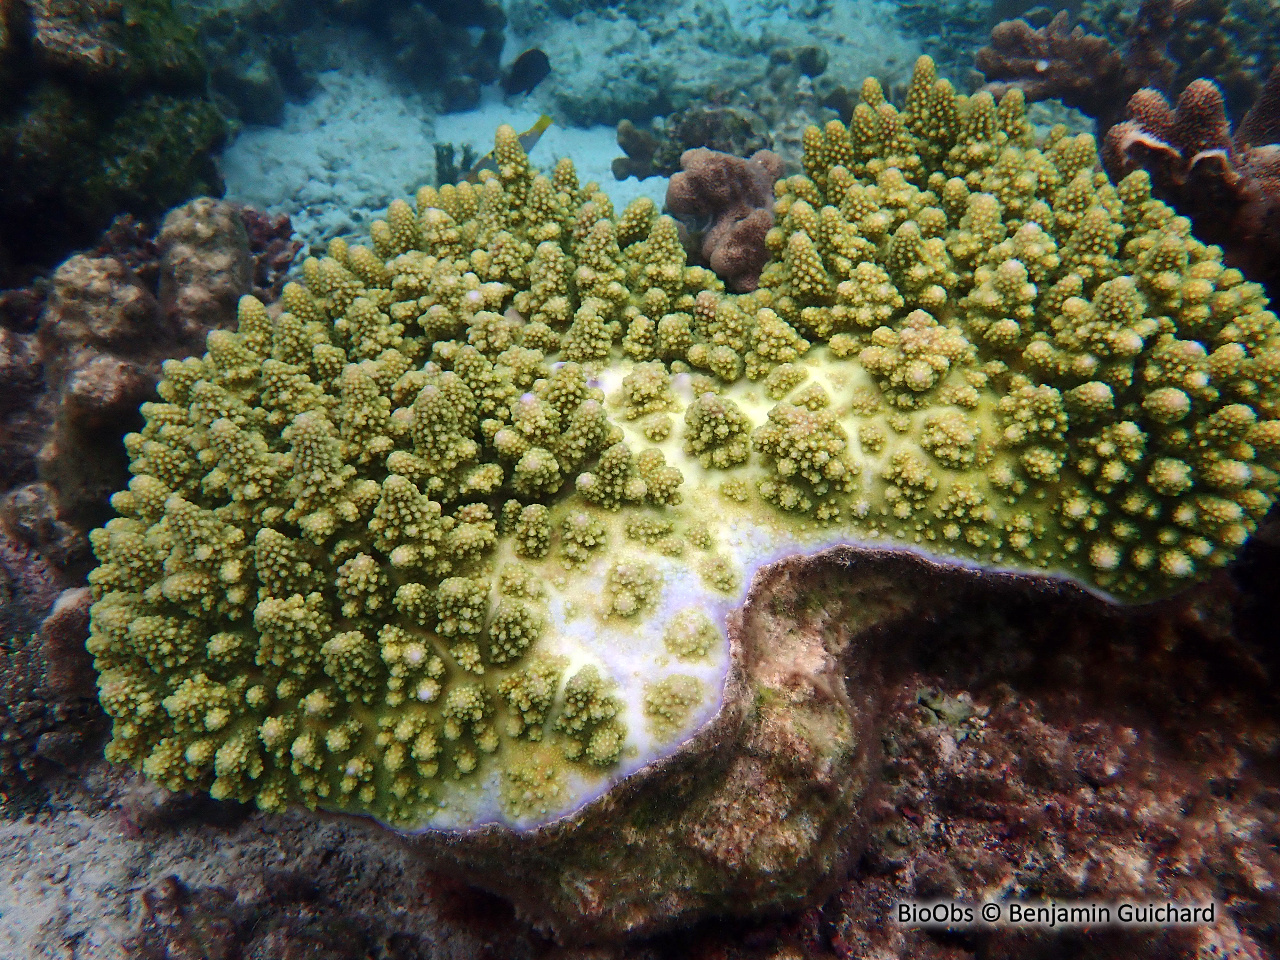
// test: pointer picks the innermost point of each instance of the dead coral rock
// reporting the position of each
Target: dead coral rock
(28, 587)
(760, 812)
(95, 303)
(104, 40)
(733, 198)
(274, 250)
(25, 411)
(103, 336)
(28, 514)
(292, 921)
(205, 268)
(19, 369)
(96, 335)
(1043, 747)
(105, 109)
(1228, 186)
(49, 714)
(1031, 741)
(104, 389)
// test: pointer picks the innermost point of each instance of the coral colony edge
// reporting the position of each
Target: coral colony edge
(450, 536)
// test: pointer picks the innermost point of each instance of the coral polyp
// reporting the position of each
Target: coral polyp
(450, 534)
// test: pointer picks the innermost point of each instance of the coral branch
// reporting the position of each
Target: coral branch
(1081, 69)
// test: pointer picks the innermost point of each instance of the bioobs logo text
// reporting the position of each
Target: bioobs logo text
(934, 914)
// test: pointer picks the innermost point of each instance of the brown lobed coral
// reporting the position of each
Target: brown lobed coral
(727, 202)
(1229, 186)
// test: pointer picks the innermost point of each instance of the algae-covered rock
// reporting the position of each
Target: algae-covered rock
(117, 43)
(104, 111)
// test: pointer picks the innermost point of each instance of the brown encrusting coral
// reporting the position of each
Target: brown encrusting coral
(729, 202)
(1229, 186)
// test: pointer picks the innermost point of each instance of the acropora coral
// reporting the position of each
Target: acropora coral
(430, 538)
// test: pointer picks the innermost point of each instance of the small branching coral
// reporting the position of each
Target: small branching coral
(424, 540)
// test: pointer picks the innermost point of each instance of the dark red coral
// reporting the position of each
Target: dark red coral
(1229, 186)
(728, 203)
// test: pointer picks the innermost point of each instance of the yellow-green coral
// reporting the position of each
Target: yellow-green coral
(669, 703)
(691, 635)
(351, 569)
(414, 541)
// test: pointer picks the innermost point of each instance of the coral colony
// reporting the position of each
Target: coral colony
(449, 535)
